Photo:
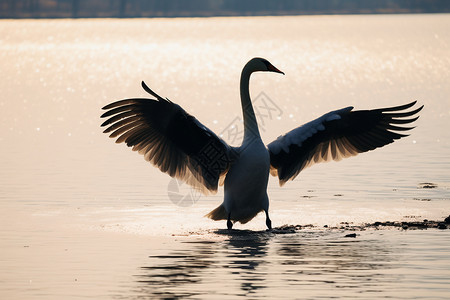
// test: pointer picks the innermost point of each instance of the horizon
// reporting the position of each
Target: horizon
(23, 9)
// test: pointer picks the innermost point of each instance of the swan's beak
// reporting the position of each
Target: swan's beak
(274, 69)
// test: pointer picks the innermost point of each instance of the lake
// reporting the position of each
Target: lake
(82, 217)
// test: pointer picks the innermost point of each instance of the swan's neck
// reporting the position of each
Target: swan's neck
(250, 124)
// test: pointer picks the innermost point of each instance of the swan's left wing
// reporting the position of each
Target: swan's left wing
(336, 135)
(171, 139)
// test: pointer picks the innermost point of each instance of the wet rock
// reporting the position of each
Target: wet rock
(286, 229)
(442, 226)
(427, 185)
(447, 220)
(422, 199)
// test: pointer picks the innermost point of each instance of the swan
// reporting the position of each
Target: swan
(179, 145)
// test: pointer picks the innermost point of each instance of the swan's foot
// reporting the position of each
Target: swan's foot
(268, 221)
(229, 223)
(269, 224)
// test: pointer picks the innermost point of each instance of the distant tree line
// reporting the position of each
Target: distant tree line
(191, 8)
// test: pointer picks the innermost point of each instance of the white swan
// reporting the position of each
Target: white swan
(179, 145)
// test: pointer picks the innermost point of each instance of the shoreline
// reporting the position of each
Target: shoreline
(208, 14)
(343, 226)
(403, 225)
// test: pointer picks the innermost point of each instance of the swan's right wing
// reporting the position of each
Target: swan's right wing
(171, 139)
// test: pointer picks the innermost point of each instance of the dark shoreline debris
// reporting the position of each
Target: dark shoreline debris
(403, 225)
(427, 185)
(425, 224)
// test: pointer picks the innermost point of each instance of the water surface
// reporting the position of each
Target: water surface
(83, 217)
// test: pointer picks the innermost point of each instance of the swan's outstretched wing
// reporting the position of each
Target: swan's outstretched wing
(171, 139)
(336, 135)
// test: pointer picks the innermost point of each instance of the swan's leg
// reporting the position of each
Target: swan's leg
(229, 223)
(268, 222)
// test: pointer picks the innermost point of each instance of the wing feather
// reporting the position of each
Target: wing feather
(336, 135)
(171, 139)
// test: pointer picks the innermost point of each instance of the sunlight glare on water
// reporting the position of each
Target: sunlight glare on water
(84, 217)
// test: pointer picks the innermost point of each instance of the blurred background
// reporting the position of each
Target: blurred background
(204, 8)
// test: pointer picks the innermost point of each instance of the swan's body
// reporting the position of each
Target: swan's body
(246, 192)
(181, 146)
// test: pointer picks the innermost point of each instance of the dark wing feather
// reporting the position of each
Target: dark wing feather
(170, 138)
(336, 135)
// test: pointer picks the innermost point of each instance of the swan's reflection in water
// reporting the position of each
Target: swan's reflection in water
(245, 253)
(263, 264)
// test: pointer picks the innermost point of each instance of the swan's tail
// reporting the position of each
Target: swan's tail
(219, 213)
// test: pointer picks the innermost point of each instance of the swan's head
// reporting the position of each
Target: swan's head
(261, 64)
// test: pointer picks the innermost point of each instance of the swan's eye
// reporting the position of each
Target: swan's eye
(268, 64)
